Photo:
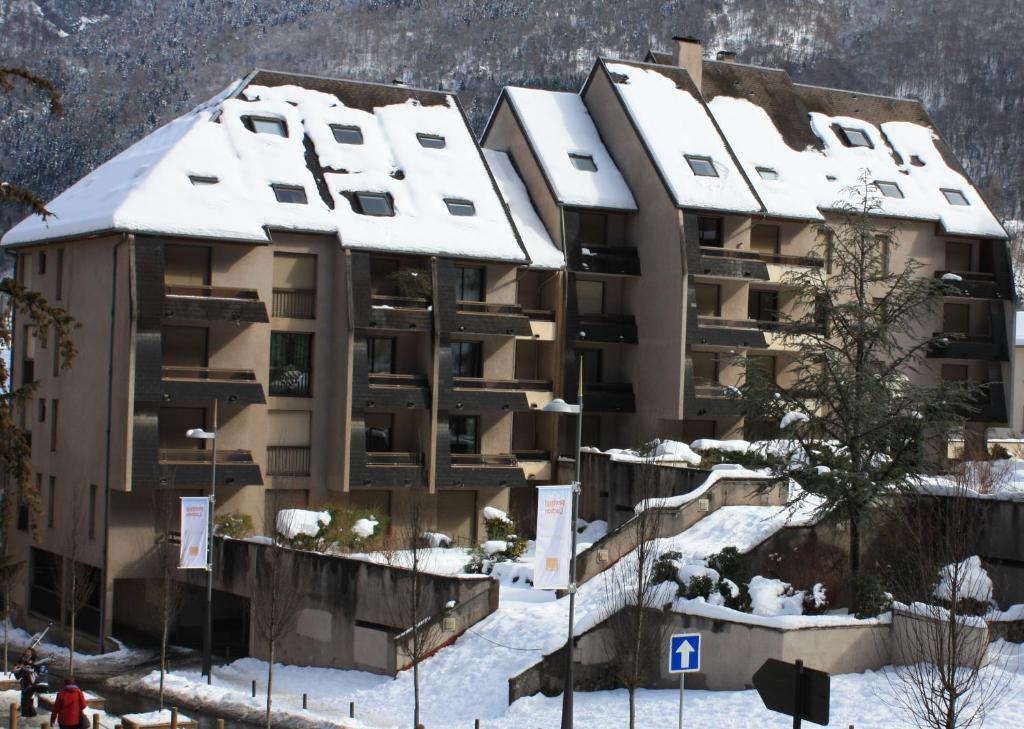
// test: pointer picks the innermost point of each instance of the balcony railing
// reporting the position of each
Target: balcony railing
(207, 374)
(484, 460)
(388, 379)
(532, 455)
(723, 323)
(384, 301)
(394, 458)
(711, 389)
(288, 460)
(212, 292)
(540, 314)
(290, 381)
(746, 255)
(487, 307)
(197, 456)
(969, 275)
(615, 260)
(294, 303)
(481, 383)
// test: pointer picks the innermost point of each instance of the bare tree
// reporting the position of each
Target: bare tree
(171, 592)
(635, 631)
(946, 675)
(80, 579)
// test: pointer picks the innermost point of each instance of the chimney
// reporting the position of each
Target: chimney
(689, 54)
(726, 56)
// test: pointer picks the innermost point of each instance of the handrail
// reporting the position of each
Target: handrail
(394, 458)
(399, 302)
(488, 307)
(481, 383)
(606, 318)
(393, 379)
(540, 314)
(969, 275)
(592, 249)
(192, 455)
(176, 372)
(532, 455)
(746, 255)
(470, 460)
(964, 337)
(212, 292)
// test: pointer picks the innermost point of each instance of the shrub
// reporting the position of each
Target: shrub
(338, 536)
(665, 568)
(478, 560)
(870, 596)
(498, 528)
(815, 600)
(233, 525)
(735, 594)
(698, 586)
(748, 459)
(731, 564)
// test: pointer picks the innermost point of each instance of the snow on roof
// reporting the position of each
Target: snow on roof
(147, 188)
(806, 182)
(673, 124)
(558, 124)
(542, 250)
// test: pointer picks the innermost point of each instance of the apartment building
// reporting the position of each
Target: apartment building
(324, 273)
(729, 170)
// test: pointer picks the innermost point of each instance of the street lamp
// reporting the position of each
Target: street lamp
(200, 434)
(561, 407)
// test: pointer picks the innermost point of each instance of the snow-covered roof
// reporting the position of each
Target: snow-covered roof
(674, 123)
(557, 124)
(542, 250)
(147, 188)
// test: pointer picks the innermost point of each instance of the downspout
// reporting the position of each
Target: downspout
(106, 470)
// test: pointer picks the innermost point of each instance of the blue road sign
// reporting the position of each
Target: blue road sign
(684, 653)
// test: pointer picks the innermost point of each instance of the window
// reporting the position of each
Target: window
(764, 238)
(463, 433)
(431, 141)
(956, 318)
(373, 203)
(707, 300)
(466, 360)
(53, 425)
(959, 256)
(56, 361)
(822, 310)
(51, 503)
(469, 284)
(593, 366)
(955, 197)
(763, 306)
(291, 364)
(702, 166)
(41, 263)
(589, 297)
(380, 352)
(200, 180)
(854, 137)
(889, 189)
(92, 510)
(294, 294)
(59, 283)
(265, 125)
(705, 368)
(461, 208)
(380, 428)
(768, 173)
(709, 231)
(585, 228)
(289, 194)
(884, 243)
(347, 134)
(42, 410)
(583, 162)
(954, 373)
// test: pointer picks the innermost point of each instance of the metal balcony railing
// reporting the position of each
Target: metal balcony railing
(194, 456)
(288, 460)
(487, 307)
(484, 460)
(384, 301)
(532, 455)
(746, 255)
(206, 374)
(390, 379)
(294, 303)
(482, 383)
(394, 458)
(212, 292)
(540, 314)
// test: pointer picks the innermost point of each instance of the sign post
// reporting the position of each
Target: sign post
(794, 690)
(683, 658)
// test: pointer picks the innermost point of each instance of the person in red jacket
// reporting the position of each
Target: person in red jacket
(69, 706)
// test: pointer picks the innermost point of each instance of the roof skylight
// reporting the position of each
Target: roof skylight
(955, 197)
(889, 189)
(854, 137)
(265, 125)
(347, 134)
(583, 162)
(290, 194)
(768, 173)
(374, 203)
(431, 141)
(702, 166)
(461, 208)
(198, 180)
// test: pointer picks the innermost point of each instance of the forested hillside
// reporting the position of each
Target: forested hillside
(127, 66)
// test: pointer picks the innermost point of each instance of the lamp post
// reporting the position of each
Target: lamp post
(560, 406)
(200, 434)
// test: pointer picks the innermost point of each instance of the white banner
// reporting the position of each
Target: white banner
(195, 535)
(554, 538)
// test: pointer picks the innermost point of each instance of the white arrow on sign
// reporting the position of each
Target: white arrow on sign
(685, 650)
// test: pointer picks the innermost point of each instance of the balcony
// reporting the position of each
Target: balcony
(213, 303)
(389, 391)
(388, 468)
(706, 398)
(973, 284)
(483, 317)
(398, 313)
(542, 324)
(609, 260)
(608, 397)
(482, 470)
(479, 393)
(536, 465)
(611, 328)
(294, 303)
(203, 384)
(723, 332)
(717, 261)
(956, 345)
(288, 461)
(990, 407)
(192, 468)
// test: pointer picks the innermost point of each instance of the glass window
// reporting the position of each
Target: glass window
(709, 231)
(51, 504)
(586, 228)
(463, 433)
(53, 424)
(884, 243)
(763, 306)
(589, 297)
(461, 208)
(768, 173)
(41, 263)
(379, 432)
(592, 365)
(347, 134)
(59, 284)
(764, 238)
(381, 354)
(583, 162)
(200, 180)
(955, 197)
(42, 410)
(469, 284)
(466, 361)
(707, 300)
(431, 141)
(854, 137)
(375, 203)
(889, 189)
(291, 364)
(958, 256)
(702, 166)
(956, 318)
(265, 125)
(289, 194)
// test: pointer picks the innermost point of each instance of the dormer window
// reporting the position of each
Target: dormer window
(198, 180)
(372, 203)
(854, 137)
(889, 189)
(431, 141)
(265, 125)
(290, 194)
(347, 134)
(768, 173)
(702, 166)
(583, 162)
(955, 197)
(461, 208)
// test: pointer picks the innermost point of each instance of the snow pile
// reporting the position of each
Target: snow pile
(673, 123)
(588, 532)
(792, 417)
(664, 452)
(770, 597)
(937, 612)
(294, 522)
(491, 512)
(718, 472)
(154, 718)
(365, 527)
(558, 124)
(436, 539)
(965, 580)
(492, 546)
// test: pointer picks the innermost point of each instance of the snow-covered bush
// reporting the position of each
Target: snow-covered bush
(770, 597)
(233, 525)
(966, 583)
(815, 600)
(697, 586)
(872, 599)
(335, 529)
(503, 543)
(751, 459)
(665, 568)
